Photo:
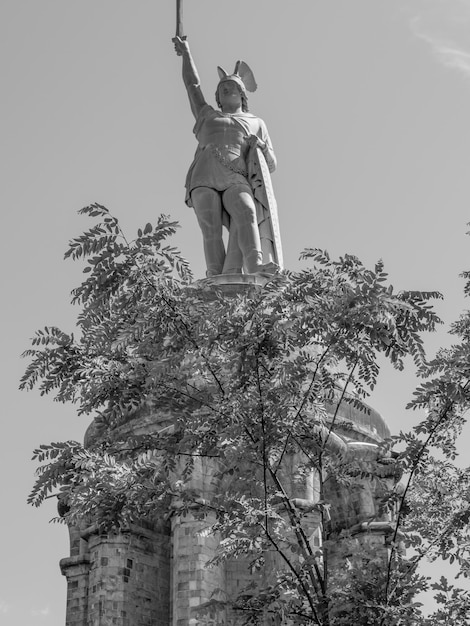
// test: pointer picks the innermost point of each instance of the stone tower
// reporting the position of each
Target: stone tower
(155, 574)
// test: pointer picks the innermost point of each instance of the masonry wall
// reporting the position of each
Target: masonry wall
(119, 579)
(158, 575)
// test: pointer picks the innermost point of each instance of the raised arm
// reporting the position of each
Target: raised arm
(190, 76)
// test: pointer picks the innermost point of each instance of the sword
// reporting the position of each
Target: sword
(179, 20)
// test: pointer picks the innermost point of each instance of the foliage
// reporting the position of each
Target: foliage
(243, 385)
(455, 605)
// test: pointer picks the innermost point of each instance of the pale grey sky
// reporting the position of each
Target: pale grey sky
(367, 104)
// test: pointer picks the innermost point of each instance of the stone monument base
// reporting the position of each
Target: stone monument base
(234, 284)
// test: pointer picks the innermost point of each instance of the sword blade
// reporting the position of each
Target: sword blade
(179, 19)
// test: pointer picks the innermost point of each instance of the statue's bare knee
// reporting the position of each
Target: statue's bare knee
(208, 208)
(239, 203)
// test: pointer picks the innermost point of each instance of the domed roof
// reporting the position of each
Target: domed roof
(359, 418)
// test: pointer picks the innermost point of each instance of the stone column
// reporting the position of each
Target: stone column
(194, 545)
(76, 570)
(129, 579)
(193, 581)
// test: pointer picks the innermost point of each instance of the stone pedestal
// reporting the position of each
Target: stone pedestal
(158, 575)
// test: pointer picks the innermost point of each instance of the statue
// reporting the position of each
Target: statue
(228, 183)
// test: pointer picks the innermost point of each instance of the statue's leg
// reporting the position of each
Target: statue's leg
(207, 205)
(240, 205)
(234, 257)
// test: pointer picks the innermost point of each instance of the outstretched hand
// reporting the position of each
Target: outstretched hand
(181, 45)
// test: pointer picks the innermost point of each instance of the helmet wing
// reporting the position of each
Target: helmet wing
(222, 73)
(247, 76)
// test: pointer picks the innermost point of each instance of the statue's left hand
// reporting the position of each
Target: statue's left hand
(254, 140)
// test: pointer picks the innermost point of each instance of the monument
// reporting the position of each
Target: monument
(155, 572)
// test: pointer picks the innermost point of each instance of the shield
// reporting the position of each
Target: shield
(260, 181)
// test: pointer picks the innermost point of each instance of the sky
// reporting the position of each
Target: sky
(367, 104)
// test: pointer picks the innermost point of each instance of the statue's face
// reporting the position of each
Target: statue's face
(229, 94)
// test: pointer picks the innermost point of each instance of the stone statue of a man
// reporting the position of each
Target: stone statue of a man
(227, 181)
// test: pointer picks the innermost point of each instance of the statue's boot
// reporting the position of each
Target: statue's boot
(268, 268)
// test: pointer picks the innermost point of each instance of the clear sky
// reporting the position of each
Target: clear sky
(367, 103)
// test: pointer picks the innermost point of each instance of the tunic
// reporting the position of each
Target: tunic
(220, 159)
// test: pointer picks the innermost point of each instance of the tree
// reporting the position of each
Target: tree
(252, 382)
